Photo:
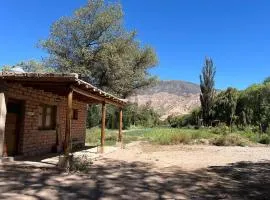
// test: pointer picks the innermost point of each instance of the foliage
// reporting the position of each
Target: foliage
(80, 164)
(264, 139)
(224, 106)
(266, 80)
(93, 116)
(253, 106)
(207, 84)
(185, 120)
(30, 66)
(35, 66)
(231, 139)
(133, 115)
(238, 110)
(94, 43)
(93, 136)
(221, 129)
(170, 136)
(6, 68)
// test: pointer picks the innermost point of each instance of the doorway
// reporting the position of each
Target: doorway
(13, 125)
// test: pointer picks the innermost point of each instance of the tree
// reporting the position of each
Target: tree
(93, 116)
(30, 66)
(94, 43)
(35, 66)
(266, 80)
(6, 68)
(224, 106)
(207, 84)
(253, 106)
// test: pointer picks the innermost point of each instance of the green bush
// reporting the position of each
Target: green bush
(222, 129)
(180, 138)
(133, 114)
(167, 136)
(264, 139)
(188, 120)
(229, 140)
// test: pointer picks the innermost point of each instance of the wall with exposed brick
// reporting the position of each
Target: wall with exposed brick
(34, 141)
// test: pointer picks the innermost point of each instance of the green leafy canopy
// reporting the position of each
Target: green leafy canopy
(94, 43)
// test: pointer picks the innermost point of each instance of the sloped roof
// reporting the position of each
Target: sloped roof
(67, 79)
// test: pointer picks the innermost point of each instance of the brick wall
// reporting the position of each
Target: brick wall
(34, 141)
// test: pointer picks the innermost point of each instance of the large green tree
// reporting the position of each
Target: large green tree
(94, 43)
(207, 85)
(224, 107)
(254, 106)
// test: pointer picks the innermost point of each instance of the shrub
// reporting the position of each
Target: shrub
(185, 120)
(80, 164)
(229, 140)
(264, 139)
(222, 129)
(180, 138)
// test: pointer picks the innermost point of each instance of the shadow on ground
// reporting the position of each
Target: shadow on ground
(122, 180)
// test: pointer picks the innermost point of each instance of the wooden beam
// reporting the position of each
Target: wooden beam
(3, 112)
(96, 97)
(68, 144)
(103, 125)
(120, 136)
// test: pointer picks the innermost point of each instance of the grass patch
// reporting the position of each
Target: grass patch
(170, 136)
(93, 136)
(167, 136)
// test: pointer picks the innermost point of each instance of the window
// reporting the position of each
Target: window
(75, 114)
(46, 117)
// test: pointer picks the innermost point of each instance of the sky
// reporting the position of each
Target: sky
(234, 33)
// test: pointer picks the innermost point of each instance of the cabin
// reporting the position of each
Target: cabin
(45, 112)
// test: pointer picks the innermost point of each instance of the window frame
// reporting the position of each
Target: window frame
(53, 116)
(75, 114)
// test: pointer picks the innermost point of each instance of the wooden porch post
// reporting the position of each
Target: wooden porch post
(103, 125)
(3, 112)
(120, 136)
(68, 142)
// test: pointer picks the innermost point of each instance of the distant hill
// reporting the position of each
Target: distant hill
(169, 97)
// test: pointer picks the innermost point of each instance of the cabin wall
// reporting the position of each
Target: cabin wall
(33, 141)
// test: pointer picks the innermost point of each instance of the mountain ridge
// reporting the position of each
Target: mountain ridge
(169, 97)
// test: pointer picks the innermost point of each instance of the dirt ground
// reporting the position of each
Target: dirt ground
(188, 157)
(147, 171)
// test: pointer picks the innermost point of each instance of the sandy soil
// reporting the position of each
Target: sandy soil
(144, 171)
(188, 157)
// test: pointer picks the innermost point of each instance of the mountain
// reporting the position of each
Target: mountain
(169, 97)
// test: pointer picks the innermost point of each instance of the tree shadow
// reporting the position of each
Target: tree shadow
(137, 180)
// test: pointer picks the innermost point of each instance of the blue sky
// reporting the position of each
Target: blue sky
(235, 33)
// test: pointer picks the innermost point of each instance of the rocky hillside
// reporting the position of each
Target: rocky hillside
(169, 97)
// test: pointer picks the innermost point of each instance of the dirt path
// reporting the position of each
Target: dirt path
(188, 157)
(143, 171)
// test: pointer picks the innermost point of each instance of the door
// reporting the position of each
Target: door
(12, 129)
